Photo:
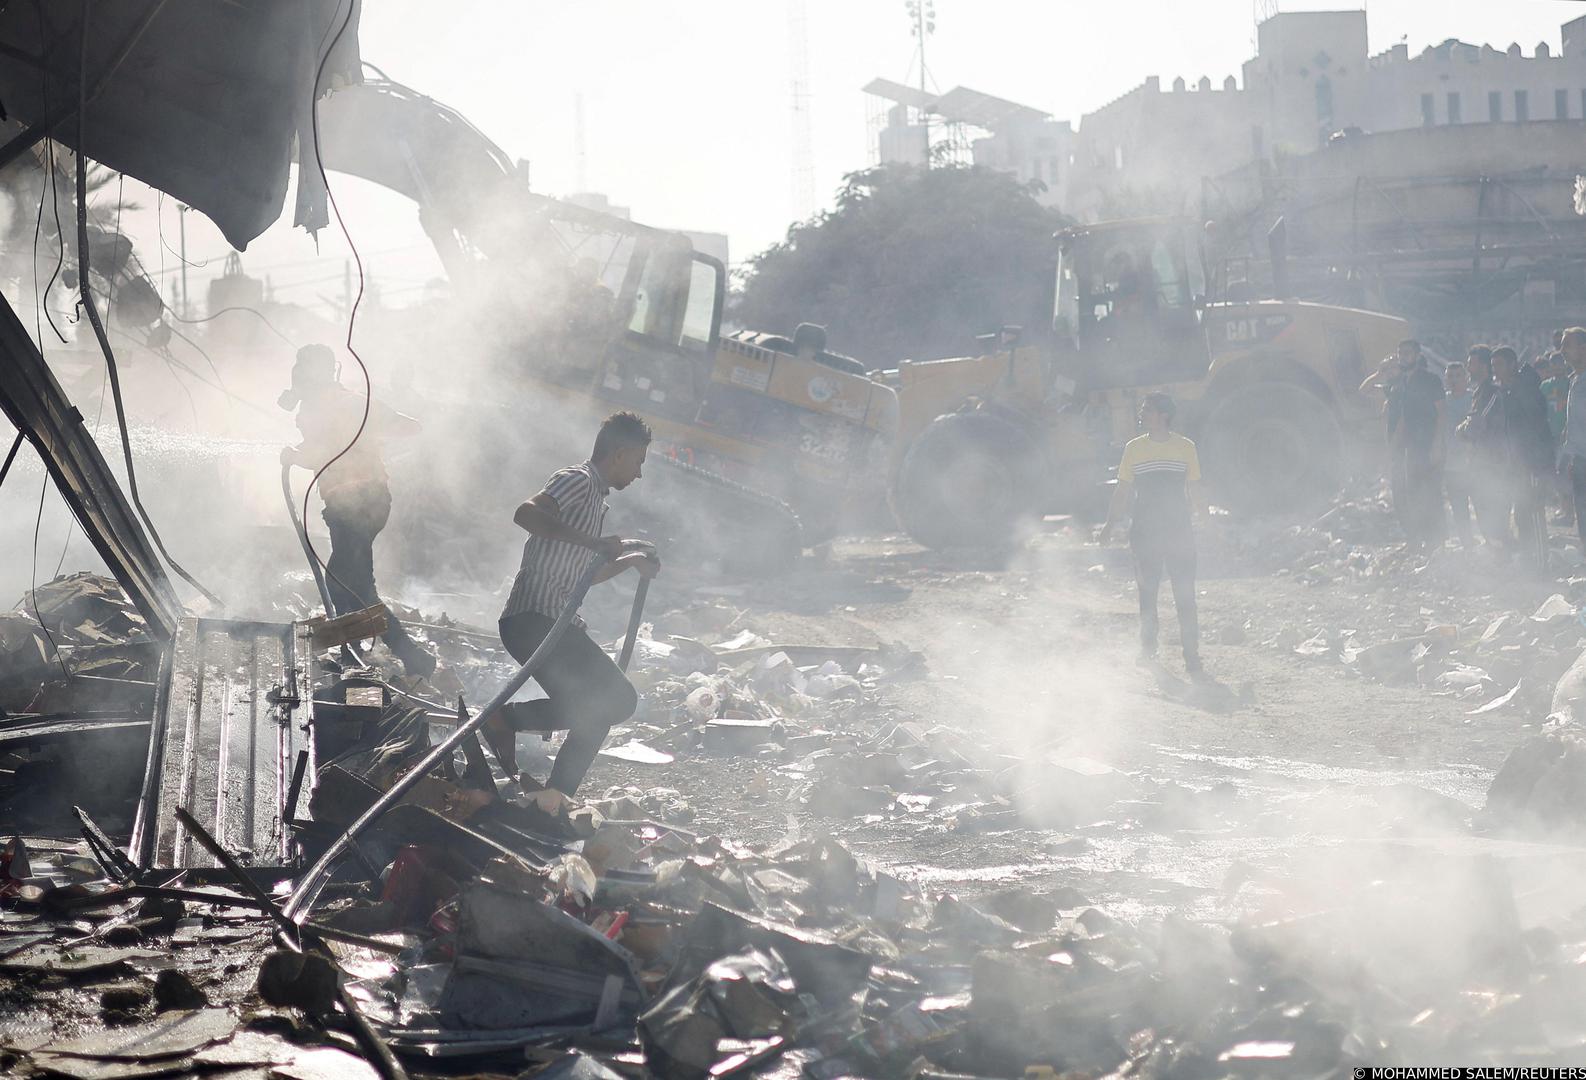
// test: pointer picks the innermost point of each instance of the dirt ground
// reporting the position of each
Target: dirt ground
(1288, 756)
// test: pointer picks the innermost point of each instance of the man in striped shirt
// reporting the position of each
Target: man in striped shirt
(586, 692)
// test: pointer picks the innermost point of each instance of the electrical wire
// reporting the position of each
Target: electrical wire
(159, 224)
(33, 589)
(110, 302)
(93, 312)
(235, 307)
(60, 236)
(352, 313)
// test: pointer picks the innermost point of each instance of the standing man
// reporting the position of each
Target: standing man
(1555, 390)
(1160, 476)
(1456, 472)
(1415, 447)
(1482, 431)
(352, 484)
(1528, 450)
(586, 692)
(1572, 454)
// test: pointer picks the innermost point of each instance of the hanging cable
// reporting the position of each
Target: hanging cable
(262, 317)
(93, 314)
(110, 303)
(33, 589)
(352, 312)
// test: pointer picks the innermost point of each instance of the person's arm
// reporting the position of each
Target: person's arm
(542, 517)
(1439, 447)
(1375, 381)
(1117, 509)
(1192, 484)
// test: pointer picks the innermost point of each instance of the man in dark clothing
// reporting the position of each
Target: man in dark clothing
(1485, 432)
(1572, 452)
(1415, 446)
(1456, 469)
(352, 483)
(1528, 445)
(586, 692)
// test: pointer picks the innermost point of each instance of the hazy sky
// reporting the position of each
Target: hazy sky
(687, 103)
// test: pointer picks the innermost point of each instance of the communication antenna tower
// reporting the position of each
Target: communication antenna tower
(580, 151)
(922, 13)
(802, 153)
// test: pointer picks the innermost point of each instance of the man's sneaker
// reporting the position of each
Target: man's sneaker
(1146, 658)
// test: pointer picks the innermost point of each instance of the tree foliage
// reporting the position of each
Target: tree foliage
(912, 263)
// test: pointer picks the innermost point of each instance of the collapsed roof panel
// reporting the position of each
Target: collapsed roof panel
(34, 402)
(203, 101)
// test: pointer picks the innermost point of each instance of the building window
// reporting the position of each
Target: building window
(1428, 113)
(1117, 158)
(1257, 150)
(1453, 107)
(1522, 108)
(1495, 106)
(1561, 104)
(1324, 105)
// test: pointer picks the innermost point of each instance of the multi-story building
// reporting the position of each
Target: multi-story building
(1312, 77)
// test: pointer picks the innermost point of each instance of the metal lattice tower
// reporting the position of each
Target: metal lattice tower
(580, 150)
(801, 144)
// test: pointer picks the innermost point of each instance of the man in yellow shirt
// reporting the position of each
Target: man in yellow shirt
(1159, 487)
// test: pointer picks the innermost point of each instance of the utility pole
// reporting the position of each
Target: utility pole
(923, 12)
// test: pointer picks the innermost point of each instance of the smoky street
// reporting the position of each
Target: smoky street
(548, 544)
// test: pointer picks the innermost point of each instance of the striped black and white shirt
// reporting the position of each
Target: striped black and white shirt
(551, 568)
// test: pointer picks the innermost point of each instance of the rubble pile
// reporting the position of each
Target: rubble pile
(1505, 661)
(1349, 542)
(78, 670)
(473, 931)
(477, 943)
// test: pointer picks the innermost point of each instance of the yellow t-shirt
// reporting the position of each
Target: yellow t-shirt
(1160, 470)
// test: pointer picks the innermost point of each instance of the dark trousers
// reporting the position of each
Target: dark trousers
(1457, 485)
(586, 694)
(1170, 550)
(1530, 519)
(1493, 495)
(1418, 494)
(1577, 485)
(355, 516)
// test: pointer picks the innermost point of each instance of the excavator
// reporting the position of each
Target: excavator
(570, 314)
(1267, 388)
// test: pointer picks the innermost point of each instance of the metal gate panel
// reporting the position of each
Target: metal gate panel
(228, 744)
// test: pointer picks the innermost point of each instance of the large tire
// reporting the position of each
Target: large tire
(970, 479)
(703, 519)
(1273, 448)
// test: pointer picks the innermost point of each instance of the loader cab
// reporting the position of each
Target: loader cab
(640, 312)
(1129, 300)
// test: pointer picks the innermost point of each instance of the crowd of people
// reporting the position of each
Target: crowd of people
(1485, 446)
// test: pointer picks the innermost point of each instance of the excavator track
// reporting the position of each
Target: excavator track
(704, 519)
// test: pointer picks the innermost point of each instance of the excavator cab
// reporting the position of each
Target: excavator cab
(1130, 297)
(635, 312)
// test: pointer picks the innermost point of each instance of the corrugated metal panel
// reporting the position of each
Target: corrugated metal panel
(230, 738)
